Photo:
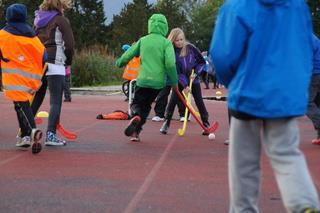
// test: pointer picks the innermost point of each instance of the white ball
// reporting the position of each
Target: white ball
(211, 136)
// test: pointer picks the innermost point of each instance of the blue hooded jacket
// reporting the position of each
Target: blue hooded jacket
(262, 52)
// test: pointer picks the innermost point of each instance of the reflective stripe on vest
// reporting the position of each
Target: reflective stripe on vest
(132, 69)
(18, 88)
(22, 73)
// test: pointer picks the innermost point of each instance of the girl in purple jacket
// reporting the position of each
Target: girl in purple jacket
(188, 57)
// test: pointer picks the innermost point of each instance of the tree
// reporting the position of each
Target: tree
(315, 11)
(130, 24)
(32, 5)
(87, 20)
(174, 13)
(203, 17)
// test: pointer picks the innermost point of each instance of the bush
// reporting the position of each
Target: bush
(95, 67)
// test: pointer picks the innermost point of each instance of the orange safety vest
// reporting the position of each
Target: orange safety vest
(132, 69)
(22, 73)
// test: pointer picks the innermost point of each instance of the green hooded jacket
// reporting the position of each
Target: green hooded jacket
(157, 55)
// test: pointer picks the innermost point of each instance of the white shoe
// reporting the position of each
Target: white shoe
(24, 142)
(157, 119)
(182, 119)
(18, 139)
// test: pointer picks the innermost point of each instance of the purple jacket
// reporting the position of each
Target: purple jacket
(193, 60)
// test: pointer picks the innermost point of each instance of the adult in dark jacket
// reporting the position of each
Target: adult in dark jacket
(56, 34)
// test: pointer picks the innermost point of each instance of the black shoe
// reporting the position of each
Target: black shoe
(100, 116)
(132, 126)
(67, 100)
(165, 127)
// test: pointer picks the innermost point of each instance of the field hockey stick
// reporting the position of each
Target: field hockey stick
(208, 130)
(67, 134)
(197, 113)
(182, 130)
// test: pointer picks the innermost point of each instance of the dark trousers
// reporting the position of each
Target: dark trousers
(141, 104)
(313, 111)
(66, 89)
(197, 96)
(25, 117)
(56, 85)
(206, 77)
(162, 101)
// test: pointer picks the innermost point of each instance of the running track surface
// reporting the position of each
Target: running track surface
(102, 171)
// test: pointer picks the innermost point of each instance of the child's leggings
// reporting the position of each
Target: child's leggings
(25, 117)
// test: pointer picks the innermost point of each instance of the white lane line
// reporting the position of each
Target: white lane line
(5, 161)
(147, 182)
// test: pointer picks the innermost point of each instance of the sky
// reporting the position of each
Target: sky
(113, 7)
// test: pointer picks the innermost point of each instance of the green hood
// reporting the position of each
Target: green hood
(158, 24)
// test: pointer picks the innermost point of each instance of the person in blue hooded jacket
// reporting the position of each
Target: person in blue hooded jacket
(313, 111)
(262, 52)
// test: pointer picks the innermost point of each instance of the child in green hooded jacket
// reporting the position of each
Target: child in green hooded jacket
(157, 61)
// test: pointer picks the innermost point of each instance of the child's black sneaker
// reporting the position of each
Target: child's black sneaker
(165, 127)
(132, 126)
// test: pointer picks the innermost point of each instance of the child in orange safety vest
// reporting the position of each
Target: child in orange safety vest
(22, 56)
(131, 70)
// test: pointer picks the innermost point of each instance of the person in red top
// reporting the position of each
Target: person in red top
(22, 56)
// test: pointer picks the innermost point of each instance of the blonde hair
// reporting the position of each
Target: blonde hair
(58, 5)
(174, 33)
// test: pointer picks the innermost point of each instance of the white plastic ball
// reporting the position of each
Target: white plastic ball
(211, 136)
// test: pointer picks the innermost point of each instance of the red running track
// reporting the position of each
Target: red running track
(102, 171)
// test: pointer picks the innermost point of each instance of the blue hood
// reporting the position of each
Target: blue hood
(16, 13)
(262, 52)
(43, 17)
(16, 16)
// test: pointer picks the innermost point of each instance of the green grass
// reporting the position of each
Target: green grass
(95, 67)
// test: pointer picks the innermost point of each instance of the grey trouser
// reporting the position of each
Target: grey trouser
(56, 84)
(280, 139)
